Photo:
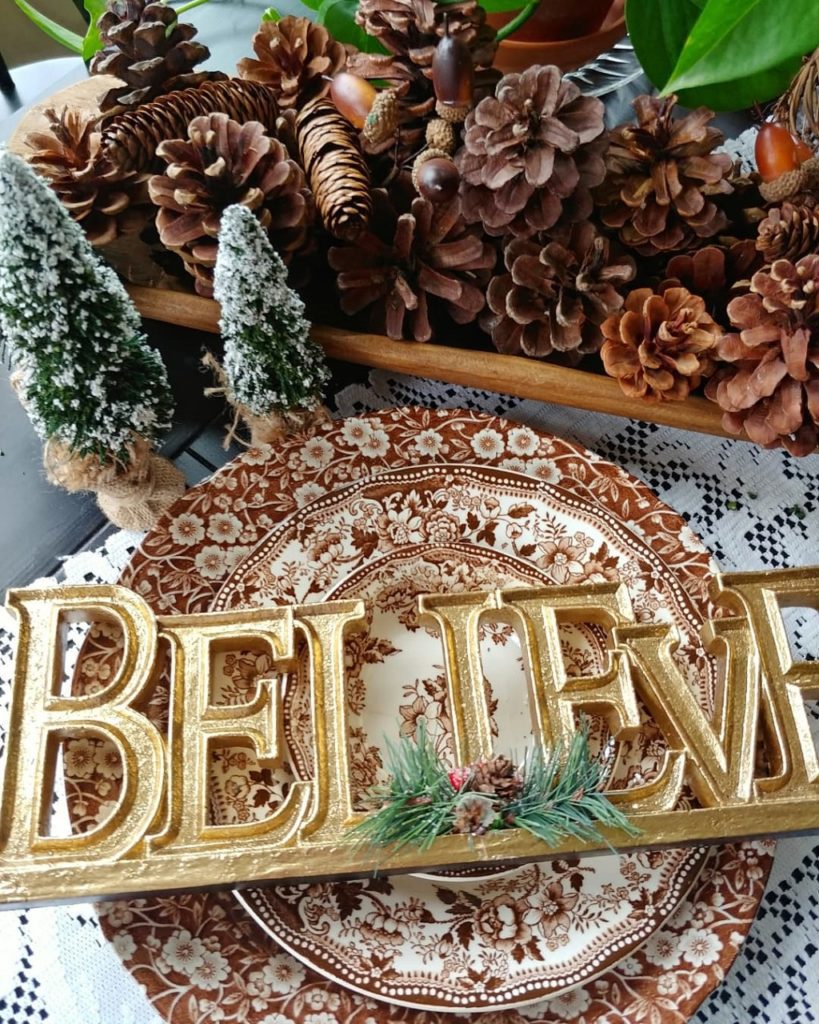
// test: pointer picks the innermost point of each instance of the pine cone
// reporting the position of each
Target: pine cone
(715, 272)
(224, 163)
(148, 49)
(335, 167)
(660, 176)
(555, 295)
(69, 157)
(531, 153)
(496, 776)
(412, 28)
(405, 266)
(771, 390)
(297, 59)
(473, 814)
(662, 346)
(130, 139)
(789, 232)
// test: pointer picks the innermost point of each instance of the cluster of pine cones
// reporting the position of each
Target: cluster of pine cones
(641, 247)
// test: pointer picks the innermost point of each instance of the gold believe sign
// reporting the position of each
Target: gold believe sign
(159, 837)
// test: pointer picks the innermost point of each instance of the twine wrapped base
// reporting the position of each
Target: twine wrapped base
(133, 494)
(262, 429)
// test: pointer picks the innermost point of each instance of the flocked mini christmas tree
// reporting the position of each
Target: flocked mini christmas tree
(95, 391)
(273, 373)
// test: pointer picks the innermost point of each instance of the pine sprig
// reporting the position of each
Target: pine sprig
(557, 796)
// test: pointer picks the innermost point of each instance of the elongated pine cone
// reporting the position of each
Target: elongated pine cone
(407, 265)
(531, 153)
(661, 175)
(145, 46)
(223, 163)
(296, 59)
(662, 346)
(555, 295)
(130, 139)
(68, 155)
(789, 232)
(771, 389)
(335, 167)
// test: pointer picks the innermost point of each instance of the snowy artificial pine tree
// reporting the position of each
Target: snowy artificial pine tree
(273, 372)
(94, 389)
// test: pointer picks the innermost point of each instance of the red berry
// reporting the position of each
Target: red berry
(458, 778)
(778, 152)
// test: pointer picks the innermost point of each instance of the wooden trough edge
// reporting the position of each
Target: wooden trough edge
(510, 375)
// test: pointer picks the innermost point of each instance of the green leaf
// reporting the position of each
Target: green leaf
(497, 6)
(271, 14)
(92, 41)
(65, 37)
(736, 39)
(338, 17)
(742, 92)
(659, 30)
(313, 5)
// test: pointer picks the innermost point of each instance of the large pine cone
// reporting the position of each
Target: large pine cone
(715, 272)
(771, 390)
(531, 154)
(148, 49)
(130, 139)
(555, 295)
(223, 163)
(297, 59)
(660, 176)
(407, 265)
(68, 155)
(412, 28)
(789, 232)
(662, 346)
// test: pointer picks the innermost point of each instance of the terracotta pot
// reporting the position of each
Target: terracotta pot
(541, 39)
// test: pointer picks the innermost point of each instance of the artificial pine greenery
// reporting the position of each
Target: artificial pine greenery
(271, 364)
(556, 797)
(83, 367)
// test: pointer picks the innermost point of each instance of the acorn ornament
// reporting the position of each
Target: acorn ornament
(437, 178)
(453, 76)
(353, 96)
(786, 164)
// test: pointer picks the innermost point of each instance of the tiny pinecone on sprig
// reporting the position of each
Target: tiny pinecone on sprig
(661, 177)
(553, 794)
(94, 389)
(273, 373)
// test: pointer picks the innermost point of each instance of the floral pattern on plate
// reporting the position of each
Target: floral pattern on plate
(505, 941)
(662, 982)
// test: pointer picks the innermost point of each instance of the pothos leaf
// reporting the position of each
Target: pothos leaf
(271, 14)
(658, 31)
(735, 39)
(744, 91)
(338, 17)
(64, 36)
